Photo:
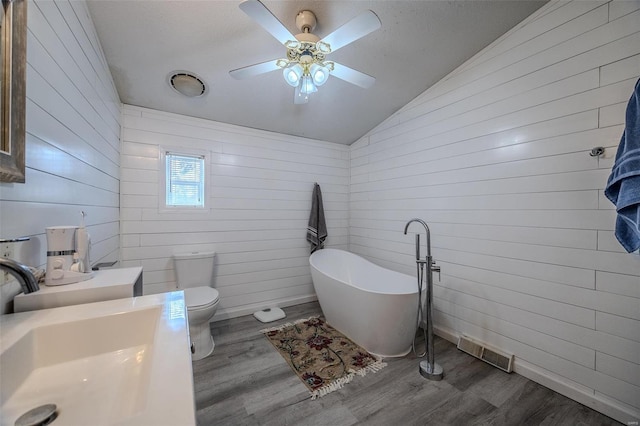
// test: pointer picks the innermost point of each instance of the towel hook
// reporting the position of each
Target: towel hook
(597, 151)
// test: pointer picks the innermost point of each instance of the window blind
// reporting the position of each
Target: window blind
(185, 180)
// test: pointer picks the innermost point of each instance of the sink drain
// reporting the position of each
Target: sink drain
(39, 416)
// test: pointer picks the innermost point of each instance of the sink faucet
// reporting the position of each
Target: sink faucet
(22, 273)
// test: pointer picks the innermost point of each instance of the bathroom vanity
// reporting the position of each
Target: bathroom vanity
(124, 362)
(107, 284)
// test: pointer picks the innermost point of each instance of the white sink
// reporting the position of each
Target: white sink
(116, 362)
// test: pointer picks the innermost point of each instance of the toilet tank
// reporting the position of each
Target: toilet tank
(194, 269)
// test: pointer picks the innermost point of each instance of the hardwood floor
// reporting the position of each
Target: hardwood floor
(246, 382)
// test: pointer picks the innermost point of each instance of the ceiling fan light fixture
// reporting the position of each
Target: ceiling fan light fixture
(292, 74)
(305, 67)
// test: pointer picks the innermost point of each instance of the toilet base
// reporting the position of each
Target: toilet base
(201, 340)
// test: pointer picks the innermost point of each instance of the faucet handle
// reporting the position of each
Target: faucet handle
(435, 268)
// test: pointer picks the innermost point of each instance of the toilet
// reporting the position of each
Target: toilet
(194, 274)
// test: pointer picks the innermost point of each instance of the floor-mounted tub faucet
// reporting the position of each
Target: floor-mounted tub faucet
(428, 367)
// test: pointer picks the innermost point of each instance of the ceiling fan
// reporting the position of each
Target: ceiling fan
(305, 66)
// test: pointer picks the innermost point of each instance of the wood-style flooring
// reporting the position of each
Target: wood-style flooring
(246, 382)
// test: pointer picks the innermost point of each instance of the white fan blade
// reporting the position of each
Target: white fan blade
(353, 30)
(299, 98)
(263, 16)
(253, 70)
(352, 76)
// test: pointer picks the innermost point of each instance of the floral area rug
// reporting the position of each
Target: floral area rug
(323, 358)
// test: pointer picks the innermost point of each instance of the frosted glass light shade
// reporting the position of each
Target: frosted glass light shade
(292, 75)
(307, 85)
(319, 74)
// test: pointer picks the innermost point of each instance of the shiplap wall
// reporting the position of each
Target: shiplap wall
(495, 157)
(260, 202)
(73, 139)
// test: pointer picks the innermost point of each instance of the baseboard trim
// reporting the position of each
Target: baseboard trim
(224, 314)
(585, 396)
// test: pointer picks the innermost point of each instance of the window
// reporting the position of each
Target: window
(184, 180)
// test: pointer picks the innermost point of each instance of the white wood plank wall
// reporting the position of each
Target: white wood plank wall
(495, 157)
(73, 139)
(261, 198)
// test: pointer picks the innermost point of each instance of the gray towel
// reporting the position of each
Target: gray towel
(317, 228)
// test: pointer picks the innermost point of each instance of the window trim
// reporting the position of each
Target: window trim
(162, 179)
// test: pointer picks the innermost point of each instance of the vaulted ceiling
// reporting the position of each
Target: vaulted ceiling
(419, 43)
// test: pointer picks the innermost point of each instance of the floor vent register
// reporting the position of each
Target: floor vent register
(492, 356)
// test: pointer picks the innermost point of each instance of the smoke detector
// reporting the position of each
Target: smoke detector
(187, 83)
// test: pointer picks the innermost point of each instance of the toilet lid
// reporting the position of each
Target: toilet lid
(200, 296)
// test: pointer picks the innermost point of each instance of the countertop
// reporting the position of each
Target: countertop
(107, 284)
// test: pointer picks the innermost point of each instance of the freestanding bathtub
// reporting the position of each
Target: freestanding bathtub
(373, 306)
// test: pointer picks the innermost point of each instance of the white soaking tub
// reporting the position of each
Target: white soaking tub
(373, 306)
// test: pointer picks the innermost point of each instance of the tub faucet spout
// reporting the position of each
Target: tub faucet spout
(425, 269)
(22, 273)
(426, 228)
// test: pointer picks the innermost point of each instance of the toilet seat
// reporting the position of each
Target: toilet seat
(200, 297)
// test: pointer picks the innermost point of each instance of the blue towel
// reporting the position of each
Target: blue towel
(317, 228)
(623, 186)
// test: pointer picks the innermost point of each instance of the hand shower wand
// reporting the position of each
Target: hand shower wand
(428, 368)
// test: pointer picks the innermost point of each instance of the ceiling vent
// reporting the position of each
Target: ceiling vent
(187, 84)
(495, 357)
